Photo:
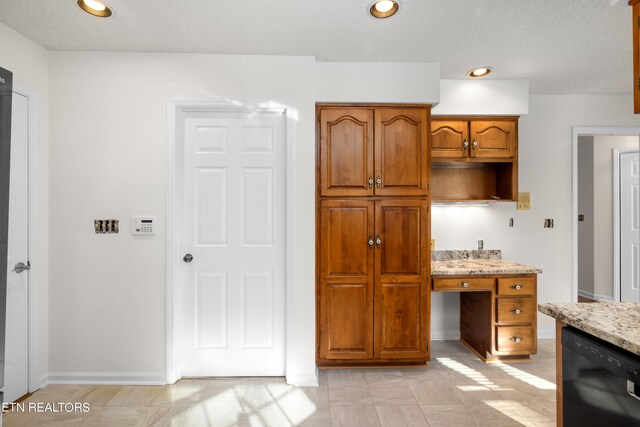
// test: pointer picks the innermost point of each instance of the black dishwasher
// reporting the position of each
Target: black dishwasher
(600, 382)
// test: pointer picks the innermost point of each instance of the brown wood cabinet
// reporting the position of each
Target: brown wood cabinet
(366, 151)
(474, 158)
(636, 55)
(497, 313)
(373, 232)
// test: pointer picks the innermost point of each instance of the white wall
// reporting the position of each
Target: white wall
(29, 63)
(545, 171)
(483, 97)
(603, 210)
(108, 133)
(585, 207)
(388, 82)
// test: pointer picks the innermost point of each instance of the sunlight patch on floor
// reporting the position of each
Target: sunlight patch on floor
(526, 377)
(470, 373)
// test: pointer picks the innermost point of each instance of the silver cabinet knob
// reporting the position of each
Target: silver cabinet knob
(516, 311)
(21, 266)
(370, 243)
(187, 258)
(475, 145)
(465, 144)
(378, 241)
(464, 284)
(370, 182)
(516, 287)
(378, 182)
(515, 339)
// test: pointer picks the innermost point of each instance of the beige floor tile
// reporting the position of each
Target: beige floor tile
(137, 396)
(113, 416)
(433, 392)
(391, 390)
(96, 395)
(399, 416)
(199, 415)
(346, 376)
(350, 394)
(448, 416)
(496, 413)
(354, 416)
(471, 393)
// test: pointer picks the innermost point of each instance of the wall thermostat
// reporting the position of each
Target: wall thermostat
(143, 225)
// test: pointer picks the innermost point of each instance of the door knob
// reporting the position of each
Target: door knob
(465, 144)
(370, 182)
(187, 258)
(21, 266)
(370, 242)
(378, 241)
(378, 182)
(475, 145)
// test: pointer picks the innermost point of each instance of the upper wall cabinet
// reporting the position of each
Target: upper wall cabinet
(474, 158)
(455, 139)
(373, 151)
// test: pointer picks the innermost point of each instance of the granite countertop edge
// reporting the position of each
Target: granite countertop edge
(480, 266)
(590, 322)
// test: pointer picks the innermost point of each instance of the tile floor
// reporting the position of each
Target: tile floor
(456, 391)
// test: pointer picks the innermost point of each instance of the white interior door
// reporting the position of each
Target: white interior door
(233, 226)
(629, 227)
(16, 373)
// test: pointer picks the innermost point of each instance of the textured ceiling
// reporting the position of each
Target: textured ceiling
(561, 46)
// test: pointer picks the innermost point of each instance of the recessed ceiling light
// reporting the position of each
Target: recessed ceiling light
(479, 72)
(95, 8)
(384, 8)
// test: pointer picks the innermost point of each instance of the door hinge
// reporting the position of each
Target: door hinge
(638, 21)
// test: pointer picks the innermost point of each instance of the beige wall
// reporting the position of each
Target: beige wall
(29, 63)
(585, 207)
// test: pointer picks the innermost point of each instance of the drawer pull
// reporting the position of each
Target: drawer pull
(516, 287)
(464, 284)
(515, 339)
(516, 311)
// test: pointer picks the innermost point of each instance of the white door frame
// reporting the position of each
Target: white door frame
(35, 382)
(175, 169)
(616, 219)
(575, 132)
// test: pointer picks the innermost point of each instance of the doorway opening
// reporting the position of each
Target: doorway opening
(597, 271)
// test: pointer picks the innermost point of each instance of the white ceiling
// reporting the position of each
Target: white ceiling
(562, 46)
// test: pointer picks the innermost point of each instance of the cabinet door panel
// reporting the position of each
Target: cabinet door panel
(448, 138)
(346, 152)
(401, 152)
(346, 279)
(493, 138)
(402, 291)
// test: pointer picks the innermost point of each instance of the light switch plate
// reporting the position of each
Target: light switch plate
(524, 202)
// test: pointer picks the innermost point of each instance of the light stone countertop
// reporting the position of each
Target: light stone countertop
(614, 322)
(480, 266)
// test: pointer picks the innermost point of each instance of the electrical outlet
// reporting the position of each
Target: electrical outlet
(106, 226)
(548, 223)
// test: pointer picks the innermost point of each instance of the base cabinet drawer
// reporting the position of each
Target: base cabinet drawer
(515, 286)
(466, 284)
(515, 339)
(514, 310)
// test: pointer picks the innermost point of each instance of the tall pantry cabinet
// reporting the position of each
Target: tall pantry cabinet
(372, 234)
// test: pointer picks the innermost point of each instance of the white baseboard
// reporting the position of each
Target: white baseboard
(303, 380)
(593, 296)
(44, 381)
(445, 335)
(107, 378)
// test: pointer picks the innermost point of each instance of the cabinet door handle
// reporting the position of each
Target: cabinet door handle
(370, 182)
(516, 287)
(465, 144)
(516, 311)
(475, 145)
(464, 284)
(515, 339)
(370, 242)
(378, 182)
(378, 241)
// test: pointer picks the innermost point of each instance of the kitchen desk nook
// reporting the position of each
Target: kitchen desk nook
(497, 302)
